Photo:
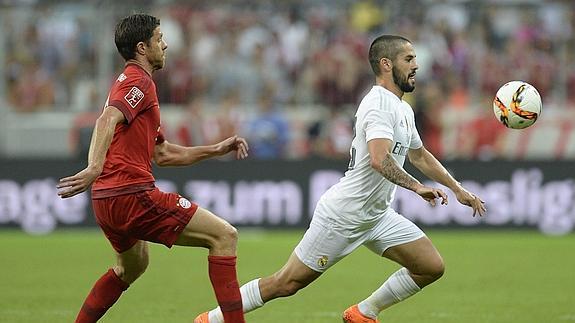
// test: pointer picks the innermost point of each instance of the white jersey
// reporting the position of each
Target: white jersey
(363, 194)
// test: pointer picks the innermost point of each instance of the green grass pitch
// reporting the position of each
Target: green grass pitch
(491, 276)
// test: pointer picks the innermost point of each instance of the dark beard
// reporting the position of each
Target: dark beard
(402, 82)
(158, 65)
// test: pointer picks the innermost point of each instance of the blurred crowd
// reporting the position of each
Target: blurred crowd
(254, 67)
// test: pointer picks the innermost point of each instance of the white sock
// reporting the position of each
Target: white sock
(395, 289)
(251, 300)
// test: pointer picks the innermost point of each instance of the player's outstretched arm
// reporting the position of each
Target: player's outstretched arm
(99, 144)
(382, 161)
(168, 154)
(432, 168)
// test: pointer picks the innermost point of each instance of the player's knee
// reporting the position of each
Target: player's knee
(435, 269)
(129, 274)
(227, 238)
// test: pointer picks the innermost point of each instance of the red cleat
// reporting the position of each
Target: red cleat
(353, 315)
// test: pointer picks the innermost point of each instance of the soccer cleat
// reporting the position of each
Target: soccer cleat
(202, 318)
(353, 315)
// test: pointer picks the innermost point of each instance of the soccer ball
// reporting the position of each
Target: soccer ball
(517, 104)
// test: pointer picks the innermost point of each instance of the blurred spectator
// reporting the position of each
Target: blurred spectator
(331, 137)
(31, 90)
(481, 138)
(293, 38)
(225, 121)
(365, 15)
(190, 130)
(429, 103)
(268, 132)
(310, 53)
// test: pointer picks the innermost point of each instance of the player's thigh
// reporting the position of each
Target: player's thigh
(205, 229)
(400, 240)
(150, 215)
(326, 242)
(295, 270)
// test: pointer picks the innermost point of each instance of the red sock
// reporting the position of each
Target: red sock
(222, 270)
(103, 295)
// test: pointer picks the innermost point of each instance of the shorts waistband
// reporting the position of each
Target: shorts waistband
(116, 191)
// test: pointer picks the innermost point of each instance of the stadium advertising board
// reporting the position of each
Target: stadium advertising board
(283, 194)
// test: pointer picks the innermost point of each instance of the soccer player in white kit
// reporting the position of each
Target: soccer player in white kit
(356, 211)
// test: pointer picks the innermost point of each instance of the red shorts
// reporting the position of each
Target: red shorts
(147, 215)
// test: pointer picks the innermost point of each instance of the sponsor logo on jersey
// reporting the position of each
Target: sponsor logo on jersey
(134, 97)
(400, 149)
(184, 203)
(322, 262)
(122, 77)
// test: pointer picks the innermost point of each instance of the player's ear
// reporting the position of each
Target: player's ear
(385, 64)
(141, 48)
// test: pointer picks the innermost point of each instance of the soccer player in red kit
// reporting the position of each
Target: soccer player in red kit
(128, 207)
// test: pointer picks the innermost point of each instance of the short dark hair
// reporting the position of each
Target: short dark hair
(388, 46)
(131, 30)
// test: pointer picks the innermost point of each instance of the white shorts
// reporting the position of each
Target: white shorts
(325, 242)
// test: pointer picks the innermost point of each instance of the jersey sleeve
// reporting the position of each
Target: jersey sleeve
(131, 97)
(378, 123)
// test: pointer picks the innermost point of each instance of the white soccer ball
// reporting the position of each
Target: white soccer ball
(517, 104)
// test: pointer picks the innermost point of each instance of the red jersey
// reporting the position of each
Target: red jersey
(128, 165)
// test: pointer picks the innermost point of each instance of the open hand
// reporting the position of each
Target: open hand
(72, 185)
(239, 144)
(467, 198)
(430, 194)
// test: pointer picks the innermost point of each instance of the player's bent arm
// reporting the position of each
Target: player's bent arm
(423, 160)
(99, 144)
(383, 162)
(432, 168)
(102, 136)
(168, 154)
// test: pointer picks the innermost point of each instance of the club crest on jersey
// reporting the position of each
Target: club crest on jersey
(122, 77)
(134, 97)
(322, 262)
(184, 203)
